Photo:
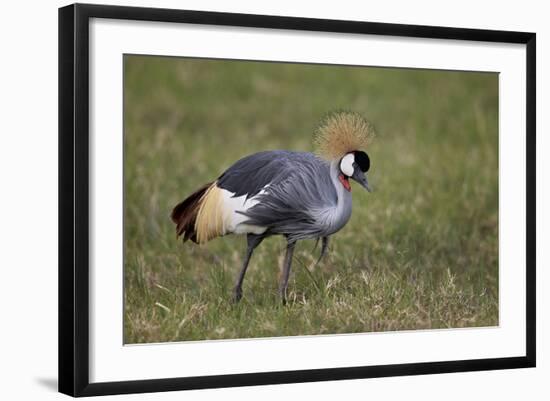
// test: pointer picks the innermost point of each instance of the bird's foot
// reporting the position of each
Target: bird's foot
(282, 295)
(237, 295)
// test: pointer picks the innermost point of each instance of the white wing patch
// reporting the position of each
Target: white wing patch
(234, 222)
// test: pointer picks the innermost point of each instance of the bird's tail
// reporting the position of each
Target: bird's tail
(200, 216)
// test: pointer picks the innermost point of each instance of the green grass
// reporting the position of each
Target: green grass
(420, 252)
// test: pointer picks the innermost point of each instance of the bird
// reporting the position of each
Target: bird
(299, 195)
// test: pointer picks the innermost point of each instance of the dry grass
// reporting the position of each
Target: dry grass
(420, 252)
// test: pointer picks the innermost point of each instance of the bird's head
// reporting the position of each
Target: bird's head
(355, 165)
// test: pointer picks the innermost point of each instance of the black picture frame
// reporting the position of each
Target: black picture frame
(74, 198)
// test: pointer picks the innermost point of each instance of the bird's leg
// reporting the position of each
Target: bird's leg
(253, 241)
(316, 243)
(324, 247)
(286, 270)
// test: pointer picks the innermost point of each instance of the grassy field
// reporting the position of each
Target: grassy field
(419, 252)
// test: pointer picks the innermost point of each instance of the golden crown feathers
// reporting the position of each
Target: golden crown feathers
(342, 132)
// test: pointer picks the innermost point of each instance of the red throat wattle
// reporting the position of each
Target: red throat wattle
(345, 182)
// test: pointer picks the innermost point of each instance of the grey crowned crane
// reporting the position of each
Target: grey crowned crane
(299, 195)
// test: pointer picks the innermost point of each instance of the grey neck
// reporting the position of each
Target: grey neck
(342, 212)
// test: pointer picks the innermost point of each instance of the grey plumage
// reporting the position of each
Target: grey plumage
(250, 174)
(301, 195)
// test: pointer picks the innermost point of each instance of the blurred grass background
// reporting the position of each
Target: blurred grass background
(420, 252)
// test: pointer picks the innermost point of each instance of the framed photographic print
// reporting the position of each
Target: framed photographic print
(250, 199)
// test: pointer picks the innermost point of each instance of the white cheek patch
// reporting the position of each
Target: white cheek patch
(346, 164)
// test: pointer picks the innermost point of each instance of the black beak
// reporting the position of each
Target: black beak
(361, 178)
